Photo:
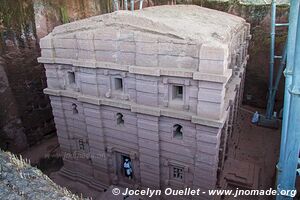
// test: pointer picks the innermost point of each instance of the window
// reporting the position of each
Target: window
(177, 92)
(81, 144)
(120, 119)
(177, 173)
(118, 84)
(74, 108)
(71, 77)
(177, 131)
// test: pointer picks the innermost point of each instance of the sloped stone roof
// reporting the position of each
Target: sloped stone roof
(187, 22)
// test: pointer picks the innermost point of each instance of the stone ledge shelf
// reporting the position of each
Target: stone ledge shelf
(137, 108)
(150, 71)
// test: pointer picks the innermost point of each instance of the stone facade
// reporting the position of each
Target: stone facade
(160, 86)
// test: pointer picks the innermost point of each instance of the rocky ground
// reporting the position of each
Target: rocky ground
(19, 180)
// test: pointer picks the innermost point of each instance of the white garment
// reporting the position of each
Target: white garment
(127, 166)
(255, 118)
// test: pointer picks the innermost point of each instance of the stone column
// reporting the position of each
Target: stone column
(206, 159)
(149, 151)
(96, 141)
(213, 60)
(61, 125)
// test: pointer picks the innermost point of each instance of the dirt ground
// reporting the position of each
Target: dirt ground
(249, 145)
(41, 150)
(253, 145)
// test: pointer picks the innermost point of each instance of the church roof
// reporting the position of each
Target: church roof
(187, 22)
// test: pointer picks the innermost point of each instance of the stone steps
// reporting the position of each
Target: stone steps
(89, 181)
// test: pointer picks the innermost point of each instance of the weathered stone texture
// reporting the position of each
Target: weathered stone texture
(141, 86)
(21, 181)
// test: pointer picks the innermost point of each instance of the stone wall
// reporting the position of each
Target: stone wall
(26, 116)
(257, 13)
(12, 132)
(41, 16)
(147, 140)
(112, 93)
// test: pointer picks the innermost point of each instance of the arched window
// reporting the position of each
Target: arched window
(177, 131)
(120, 119)
(74, 108)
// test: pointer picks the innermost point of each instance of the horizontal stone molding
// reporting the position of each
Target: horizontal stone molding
(212, 77)
(133, 107)
(150, 71)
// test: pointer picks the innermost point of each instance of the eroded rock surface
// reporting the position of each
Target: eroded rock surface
(18, 180)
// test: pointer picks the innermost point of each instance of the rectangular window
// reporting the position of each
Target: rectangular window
(81, 144)
(177, 173)
(177, 92)
(71, 77)
(118, 84)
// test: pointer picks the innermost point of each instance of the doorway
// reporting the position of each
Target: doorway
(121, 171)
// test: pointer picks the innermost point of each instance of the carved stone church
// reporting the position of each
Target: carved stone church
(159, 87)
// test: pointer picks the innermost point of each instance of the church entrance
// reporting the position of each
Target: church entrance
(124, 168)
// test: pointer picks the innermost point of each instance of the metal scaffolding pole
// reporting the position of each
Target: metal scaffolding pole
(290, 137)
(273, 87)
(272, 57)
